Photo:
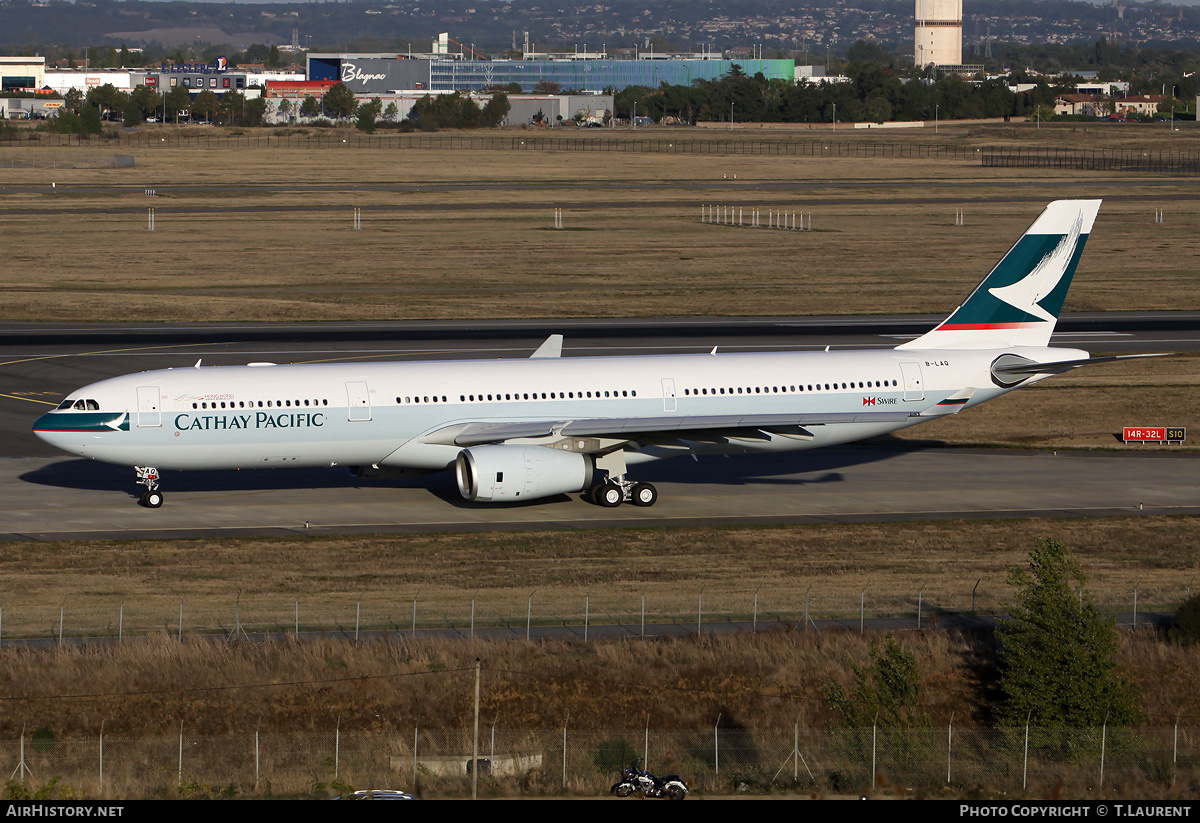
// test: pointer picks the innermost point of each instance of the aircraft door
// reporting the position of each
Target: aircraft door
(670, 404)
(359, 400)
(149, 406)
(914, 389)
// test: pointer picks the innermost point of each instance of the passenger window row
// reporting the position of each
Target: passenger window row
(269, 404)
(497, 397)
(798, 388)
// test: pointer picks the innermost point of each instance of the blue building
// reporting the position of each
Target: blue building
(384, 73)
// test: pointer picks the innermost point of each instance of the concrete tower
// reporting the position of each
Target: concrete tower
(937, 37)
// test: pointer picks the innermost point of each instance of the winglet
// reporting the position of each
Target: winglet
(551, 348)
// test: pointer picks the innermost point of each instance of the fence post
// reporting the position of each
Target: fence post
(949, 746)
(1175, 751)
(529, 612)
(564, 763)
(1103, 748)
(646, 746)
(874, 728)
(179, 776)
(643, 615)
(717, 749)
(1025, 769)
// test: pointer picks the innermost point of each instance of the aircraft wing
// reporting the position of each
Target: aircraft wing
(632, 428)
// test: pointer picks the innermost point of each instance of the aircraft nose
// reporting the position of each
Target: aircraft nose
(54, 429)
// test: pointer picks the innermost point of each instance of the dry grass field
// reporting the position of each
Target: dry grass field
(374, 579)
(263, 234)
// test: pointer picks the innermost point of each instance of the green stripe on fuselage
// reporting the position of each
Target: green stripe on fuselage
(82, 422)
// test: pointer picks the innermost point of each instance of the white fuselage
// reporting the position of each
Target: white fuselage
(385, 413)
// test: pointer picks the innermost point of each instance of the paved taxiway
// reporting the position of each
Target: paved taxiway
(45, 495)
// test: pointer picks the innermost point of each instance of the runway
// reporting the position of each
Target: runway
(47, 496)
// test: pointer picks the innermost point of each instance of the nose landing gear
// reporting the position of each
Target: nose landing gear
(148, 476)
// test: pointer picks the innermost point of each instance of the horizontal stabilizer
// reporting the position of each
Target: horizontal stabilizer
(1032, 367)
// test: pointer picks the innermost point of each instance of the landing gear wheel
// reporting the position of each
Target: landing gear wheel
(643, 494)
(152, 499)
(608, 495)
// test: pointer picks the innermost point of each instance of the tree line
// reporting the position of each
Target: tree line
(874, 93)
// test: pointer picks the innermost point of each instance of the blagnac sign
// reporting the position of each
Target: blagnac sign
(380, 75)
(351, 73)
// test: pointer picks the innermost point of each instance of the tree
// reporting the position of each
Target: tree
(1186, 628)
(339, 101)
(285, 109)
(133, 113)
(309, 107)
(495, 110)
(364, 118)
(73, 99)
(233, 103)
(1057, 666)
(178, 100)
(888, 692)
(107, 98)
(206, 104)
(256, 111)
(146, 99)
(89, 121)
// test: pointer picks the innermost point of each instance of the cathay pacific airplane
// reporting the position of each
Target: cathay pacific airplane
(522, 429)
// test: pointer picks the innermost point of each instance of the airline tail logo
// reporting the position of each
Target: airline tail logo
(1018, 303)
(1026, 294)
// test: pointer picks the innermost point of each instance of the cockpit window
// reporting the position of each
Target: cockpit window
(66, 404)
(81, 405)
(92, 405)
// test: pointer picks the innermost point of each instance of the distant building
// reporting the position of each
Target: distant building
(1110, 87)
(543, 109)
(22, 73)
(383, 73)
(1085, 104)
(1139, 104)
(937, 36)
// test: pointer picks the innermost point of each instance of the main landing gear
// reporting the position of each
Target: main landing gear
(148, 476)
(614, 491)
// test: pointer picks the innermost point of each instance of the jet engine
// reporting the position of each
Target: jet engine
(500, 474)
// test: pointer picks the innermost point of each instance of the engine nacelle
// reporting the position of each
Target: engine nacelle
(500, 474)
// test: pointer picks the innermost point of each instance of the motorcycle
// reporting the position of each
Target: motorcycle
(634, 779)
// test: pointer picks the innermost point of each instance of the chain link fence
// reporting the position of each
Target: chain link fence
(1147, 762)
(1172, 161)
(588, 614)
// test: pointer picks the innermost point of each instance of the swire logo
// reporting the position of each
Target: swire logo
(868, 401)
